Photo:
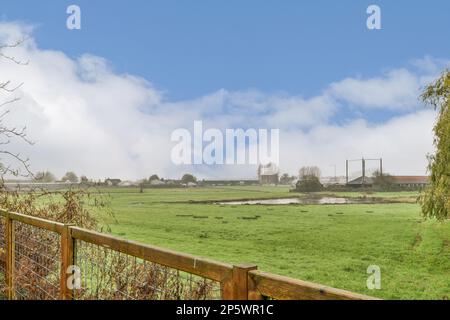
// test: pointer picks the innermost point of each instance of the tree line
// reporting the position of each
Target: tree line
(48, 177)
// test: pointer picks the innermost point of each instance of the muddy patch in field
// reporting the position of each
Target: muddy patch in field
(417, 241)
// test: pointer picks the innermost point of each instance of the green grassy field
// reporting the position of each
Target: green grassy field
(328, 244)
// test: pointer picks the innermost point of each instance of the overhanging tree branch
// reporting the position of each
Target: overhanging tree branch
(11, 163)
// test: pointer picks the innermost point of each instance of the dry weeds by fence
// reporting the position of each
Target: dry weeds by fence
(35, 253)
(112, 275)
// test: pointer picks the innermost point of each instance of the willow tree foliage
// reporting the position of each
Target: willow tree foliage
(436, 198)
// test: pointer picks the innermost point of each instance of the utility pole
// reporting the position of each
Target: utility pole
(346, 171)
(363, 167)
(363, 171)
(381, 166)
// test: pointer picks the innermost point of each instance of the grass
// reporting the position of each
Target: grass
(199, 194)
(330, 244)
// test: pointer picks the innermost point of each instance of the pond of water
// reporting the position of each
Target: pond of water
(306, 201)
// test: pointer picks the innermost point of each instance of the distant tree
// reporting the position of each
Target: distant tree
(153, 177)
(309, 172)
(286, 179)
(45, 176)
(70, 176)
(435, 200)
(309, 180)
(84, 179)
(188, 178)
(383, 180)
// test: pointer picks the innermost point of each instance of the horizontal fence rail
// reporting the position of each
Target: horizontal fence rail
(46, 260)
(263, 285)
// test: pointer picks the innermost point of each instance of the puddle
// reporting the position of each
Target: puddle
(305, 201)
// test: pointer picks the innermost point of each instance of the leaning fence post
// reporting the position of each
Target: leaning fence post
(236, 288)
(10, 251)
(67, 260)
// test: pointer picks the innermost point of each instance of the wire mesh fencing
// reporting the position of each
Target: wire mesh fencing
(37, 259)
(111, 275)
(2, 259)
(35, 251)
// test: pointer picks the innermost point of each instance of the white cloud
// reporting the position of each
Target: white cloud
(85, 117)
(403, 142)
(396, 90)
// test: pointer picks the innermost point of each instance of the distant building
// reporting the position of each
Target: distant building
(399, 181)
(268, 174)
(112, 182)
(361, 181)
(411, 181)
(333, 181)
(127, 184)
(242, 182)
(156, 182)
(191, 184)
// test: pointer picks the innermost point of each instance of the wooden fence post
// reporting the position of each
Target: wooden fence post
(67, 260)
(236, 288)
(253, 293)
(10, 259)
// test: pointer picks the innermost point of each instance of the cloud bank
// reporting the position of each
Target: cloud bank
(87, 118)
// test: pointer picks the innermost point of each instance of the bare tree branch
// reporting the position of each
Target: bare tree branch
(4, 86)
(13, 59)
(12, 163)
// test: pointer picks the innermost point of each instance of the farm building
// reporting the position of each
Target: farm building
(410, 181)
(399, 181)
(112, 182)
(361, 181)
(268, 174)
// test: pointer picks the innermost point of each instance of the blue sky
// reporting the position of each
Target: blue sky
(312, 69)
(191, 48)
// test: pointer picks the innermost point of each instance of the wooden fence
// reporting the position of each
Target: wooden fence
(36, 254)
